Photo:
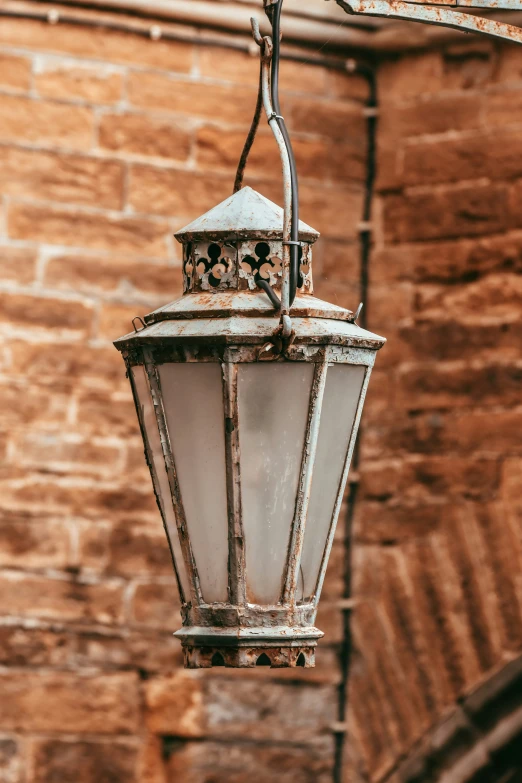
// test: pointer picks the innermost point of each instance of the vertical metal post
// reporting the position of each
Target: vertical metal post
(305, 479)
(236, 539)
(155, 483)
(170, 466)
(342, 485)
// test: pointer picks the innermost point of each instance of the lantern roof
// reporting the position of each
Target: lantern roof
(247, 213)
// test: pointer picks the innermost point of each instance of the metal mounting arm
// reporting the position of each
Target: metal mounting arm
(443, 15)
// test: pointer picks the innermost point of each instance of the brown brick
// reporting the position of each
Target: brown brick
(391, 524)
(138, 236)
(80, 498)
(330, 621)
(430, 476)
(345, 163)
(334, 212)
(496, 295)
(338, 120)
(100, 411)
(502, 108)
(459, 261)
(489, 432)
(497, 157)
(15, 72)
(195, 762)
(222, 148)
(156, 605)
(67, 362)
(131, 550)
(34, 647)
(152, 761)
(12, 767)
(384, 311)
(85, 762)
(116, 320)
(42, 122)
(47, 312)
(242, 68)
(69, 178)
(112, 274)
(111, 45)
(179, 193)
(143, 650)
(232, 712)
(469, 67)
(450, 339)
(406, 77)
(65, 453)
(450, 386)
(466, 211)
(228, 65)
(44, 544)
(140, 134)
(347, 85)
(330, 255)
(22, 405)
(61, 599)
(69, 703)
(214, 101)
(511, 472)
(95, 85)
(17, 264)
(175, 705)
(430, 115)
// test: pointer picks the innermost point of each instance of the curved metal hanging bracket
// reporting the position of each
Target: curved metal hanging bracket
(265, 101)
(443, 15)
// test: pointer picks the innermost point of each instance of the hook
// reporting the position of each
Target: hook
(143, 325)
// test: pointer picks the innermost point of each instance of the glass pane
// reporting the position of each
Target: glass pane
(341, 397)
(151, 427)
(273, 414)
(193, 400)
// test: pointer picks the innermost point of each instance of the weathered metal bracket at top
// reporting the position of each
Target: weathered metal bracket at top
(443, 13)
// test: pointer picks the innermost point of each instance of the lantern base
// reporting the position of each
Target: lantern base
(247, 648)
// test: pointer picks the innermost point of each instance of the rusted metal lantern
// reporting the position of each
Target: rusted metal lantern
(249, 392)
(248, 436)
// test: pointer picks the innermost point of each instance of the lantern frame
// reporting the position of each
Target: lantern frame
(235, 258)
(239, 631)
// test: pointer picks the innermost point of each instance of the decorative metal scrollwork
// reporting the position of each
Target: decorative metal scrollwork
(188, 267)
(264, 265)
(215, 266)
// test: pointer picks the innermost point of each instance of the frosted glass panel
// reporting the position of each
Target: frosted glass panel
(151, 427)
(341, 397)
(193, 401)
(273, 414)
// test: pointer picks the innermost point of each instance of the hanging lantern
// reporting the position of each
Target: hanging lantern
(249, 406)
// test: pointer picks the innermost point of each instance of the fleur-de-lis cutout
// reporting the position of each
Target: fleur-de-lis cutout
(214, 264)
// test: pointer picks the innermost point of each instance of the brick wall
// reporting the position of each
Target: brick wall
(108, 143)
(438, 530)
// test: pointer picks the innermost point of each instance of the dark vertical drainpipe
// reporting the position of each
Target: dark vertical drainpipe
(365, 240)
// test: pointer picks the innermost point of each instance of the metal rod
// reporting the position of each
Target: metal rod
(305, 480)
(166, 35)
(236, 539)
(342, 486)
(152, 468)
(275, 16)
(254, 127)
(285, 164)
(436, 15)
(170, 466)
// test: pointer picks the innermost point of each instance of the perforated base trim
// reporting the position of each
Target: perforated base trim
(249, 657)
